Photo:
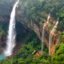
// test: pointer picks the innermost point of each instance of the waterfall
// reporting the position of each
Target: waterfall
(52, 32)
(50, 41)
(42, 39)
(43, 31)
(10, 44)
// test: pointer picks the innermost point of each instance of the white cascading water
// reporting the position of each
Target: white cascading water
(44, 27)
(51, 33)
(10, 44)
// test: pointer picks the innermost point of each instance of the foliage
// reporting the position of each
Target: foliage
(37, 11)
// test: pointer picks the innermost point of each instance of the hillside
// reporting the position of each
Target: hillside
(39, 31)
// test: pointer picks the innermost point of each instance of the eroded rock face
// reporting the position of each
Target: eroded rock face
(48, 41)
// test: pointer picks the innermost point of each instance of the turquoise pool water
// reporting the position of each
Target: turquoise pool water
(2, 57)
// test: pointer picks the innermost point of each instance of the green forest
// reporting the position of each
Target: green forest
(39, 31)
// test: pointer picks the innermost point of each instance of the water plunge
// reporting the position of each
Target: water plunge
(43, 31)
(10, 44)
(52, 33)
